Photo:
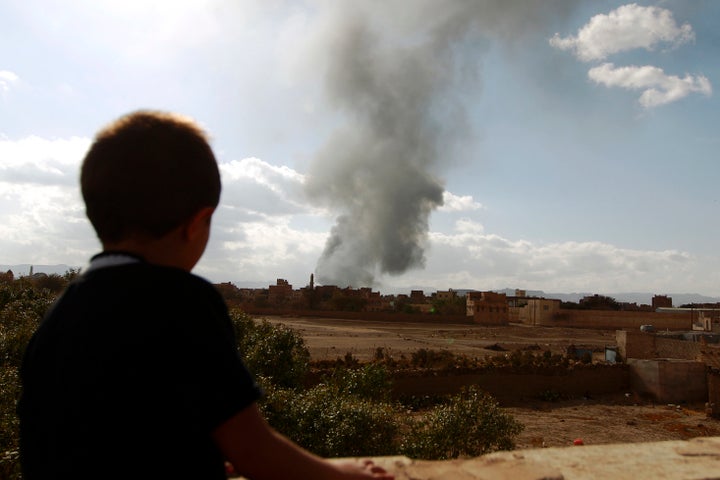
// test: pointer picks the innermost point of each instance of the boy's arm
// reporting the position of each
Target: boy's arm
(259, 452)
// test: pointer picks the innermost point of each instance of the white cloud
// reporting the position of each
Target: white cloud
(256, 235)
(467, 226)
(254, 186)
(263, 228)
(626, 28)
(42, 218)
(263, 251)
(7, 79)
(455, 203)
(657, 87)
(39, 161)
(468, 257)
(262, 172)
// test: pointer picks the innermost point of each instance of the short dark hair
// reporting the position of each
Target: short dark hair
(146, 173)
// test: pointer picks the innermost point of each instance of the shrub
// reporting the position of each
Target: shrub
(550, 395)
(9, 423)
(332, 424)
(370, 381)
(427, 358)
(21, 308)
(274, 352)
(470, 424)
(22, 305)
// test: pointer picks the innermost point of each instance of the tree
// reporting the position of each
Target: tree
(599, 302)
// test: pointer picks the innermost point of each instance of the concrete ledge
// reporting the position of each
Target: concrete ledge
(694, 459)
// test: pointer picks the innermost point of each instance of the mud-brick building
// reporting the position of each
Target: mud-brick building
(533, 310)
(280, 293)
(488, 308)
(661, 301)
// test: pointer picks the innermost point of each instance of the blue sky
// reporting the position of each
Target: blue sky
(559, 146)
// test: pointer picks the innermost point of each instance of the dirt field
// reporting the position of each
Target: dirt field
(617, 418)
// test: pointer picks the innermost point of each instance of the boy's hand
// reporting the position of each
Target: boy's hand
(362, 470)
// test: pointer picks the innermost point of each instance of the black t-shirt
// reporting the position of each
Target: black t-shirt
(127, 376)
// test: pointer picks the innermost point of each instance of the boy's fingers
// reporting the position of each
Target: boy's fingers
(370, 465)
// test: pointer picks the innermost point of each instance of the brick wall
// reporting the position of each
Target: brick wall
(710, 356)
(641, 345)
(675, 348)
(635, 344)
(370, 316)
(514, 389)
(615, 320)
(713, 380)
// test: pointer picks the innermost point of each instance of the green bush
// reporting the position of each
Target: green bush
(331, 424)
(274, 352)
(22, 305)
(21, 308)
(370, 381)
(9, 423)
(470, 424)
(350, 413)
(428, 358)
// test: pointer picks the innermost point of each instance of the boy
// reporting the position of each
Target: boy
(134, 372)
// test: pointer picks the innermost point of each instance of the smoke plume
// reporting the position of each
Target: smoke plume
(397, 72)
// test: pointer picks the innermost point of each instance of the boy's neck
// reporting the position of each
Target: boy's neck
(164, 251)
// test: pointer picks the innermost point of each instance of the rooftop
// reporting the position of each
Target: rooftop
(694, 459)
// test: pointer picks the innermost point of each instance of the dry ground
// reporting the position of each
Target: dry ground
(609, 419)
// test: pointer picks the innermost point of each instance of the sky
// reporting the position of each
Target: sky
(563, 146)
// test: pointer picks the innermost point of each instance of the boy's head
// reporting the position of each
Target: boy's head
(147, 173)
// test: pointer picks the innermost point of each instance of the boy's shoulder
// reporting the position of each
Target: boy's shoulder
(145, 280)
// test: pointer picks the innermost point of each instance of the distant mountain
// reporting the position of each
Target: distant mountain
(626, 297)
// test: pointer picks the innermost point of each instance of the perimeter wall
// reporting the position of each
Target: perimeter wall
(616, 320)
(514, 389)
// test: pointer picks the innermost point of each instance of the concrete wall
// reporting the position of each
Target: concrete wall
(668, 380)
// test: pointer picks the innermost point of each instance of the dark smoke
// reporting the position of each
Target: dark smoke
(397, 71)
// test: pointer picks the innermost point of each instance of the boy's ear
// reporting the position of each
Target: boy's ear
(198, 223)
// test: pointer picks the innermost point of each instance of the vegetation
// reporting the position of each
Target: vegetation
(593, 302)
(330, 422)
(22, 305)
(348, 411)
(276, 353)
(469, 424)
(456, 305)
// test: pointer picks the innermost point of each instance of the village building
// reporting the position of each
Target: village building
(488, 308)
